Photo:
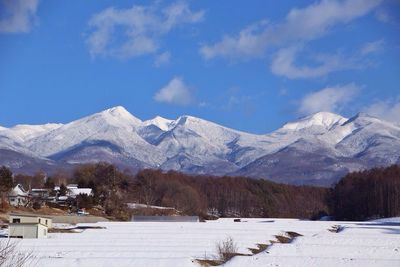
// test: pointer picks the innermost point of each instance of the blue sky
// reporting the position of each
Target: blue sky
(248, 65)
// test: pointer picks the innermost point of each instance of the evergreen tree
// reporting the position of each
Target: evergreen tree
(6, 183)
(63, 190)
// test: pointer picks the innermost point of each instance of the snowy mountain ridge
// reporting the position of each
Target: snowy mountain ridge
(316, 149)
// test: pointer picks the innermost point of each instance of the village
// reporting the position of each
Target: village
(23, 224)
(36, 198)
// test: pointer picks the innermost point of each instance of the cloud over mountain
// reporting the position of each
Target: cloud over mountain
(130, 32)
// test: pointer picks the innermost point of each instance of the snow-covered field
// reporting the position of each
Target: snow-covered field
(179, 244)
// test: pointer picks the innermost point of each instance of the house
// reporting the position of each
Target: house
(73, 190)
(18, 196)
(71, 193)
(40, 193)
(29, 226)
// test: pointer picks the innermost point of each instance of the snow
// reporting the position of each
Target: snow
(26, 132)
(162, 123)
(179, 244)
(194, 142)
(388, 220)
(322, 119)
(116, 126)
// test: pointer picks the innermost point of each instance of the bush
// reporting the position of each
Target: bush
(226, 249)
(36, 205)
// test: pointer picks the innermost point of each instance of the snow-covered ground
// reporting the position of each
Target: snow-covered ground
(179, 244)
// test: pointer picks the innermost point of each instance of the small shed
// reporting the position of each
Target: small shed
(29, 226)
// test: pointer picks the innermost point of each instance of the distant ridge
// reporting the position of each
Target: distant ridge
(317, 149)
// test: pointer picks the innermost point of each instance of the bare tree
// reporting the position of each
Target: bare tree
(10, 256)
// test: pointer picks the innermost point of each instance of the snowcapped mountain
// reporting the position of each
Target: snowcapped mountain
(317, 149)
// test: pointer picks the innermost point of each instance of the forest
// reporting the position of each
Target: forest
(361, 195)
(368, 194)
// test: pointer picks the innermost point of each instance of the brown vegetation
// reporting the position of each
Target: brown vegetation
(358, 196)
(227, 196)
(367, 194)
(260, 248)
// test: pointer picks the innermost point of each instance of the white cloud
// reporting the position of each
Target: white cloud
(300, 25)
(17, 15)
(250, 42)
(284, 64)
(372, 47)
(383, 16)
(135, 31)
(162, 59)
(332, 99)
(175, 92)
(179, 13)
(388, 110)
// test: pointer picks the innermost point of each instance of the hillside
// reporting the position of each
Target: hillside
(317, 149)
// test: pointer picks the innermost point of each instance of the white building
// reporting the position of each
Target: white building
(40, 193)
(73, 191)
(18, 196)
(29, 226)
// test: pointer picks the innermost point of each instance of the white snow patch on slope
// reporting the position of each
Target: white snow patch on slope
(162, 123)
(321, 119)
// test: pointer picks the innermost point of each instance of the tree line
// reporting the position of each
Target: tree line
(359, 195)
(367, 194)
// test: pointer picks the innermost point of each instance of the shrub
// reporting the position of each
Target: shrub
(36, 205)
(226, 249)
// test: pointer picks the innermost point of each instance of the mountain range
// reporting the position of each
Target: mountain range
(318, 149)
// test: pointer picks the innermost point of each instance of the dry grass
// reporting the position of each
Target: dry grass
(286, 237)
(260, 248)
(217, 262)
(208, 263)
(227, 249)
(282, 239)
(336, 229)
(293, 234)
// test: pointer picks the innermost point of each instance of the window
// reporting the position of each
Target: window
(44, 232)
(16, 220)
(46, 222)
(39, 220)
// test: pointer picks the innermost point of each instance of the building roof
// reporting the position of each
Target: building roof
(77, 191)
(39, 190)
(34, 224)
(29, 215)
(18, 190)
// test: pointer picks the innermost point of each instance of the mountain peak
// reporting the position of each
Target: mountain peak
(117, 110)
(321, 119)
(162, 123)
(120, 113)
